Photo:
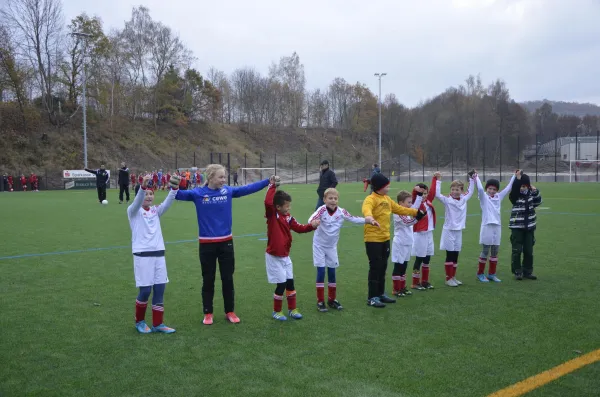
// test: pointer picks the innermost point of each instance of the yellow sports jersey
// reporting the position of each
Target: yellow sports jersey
(381, 208)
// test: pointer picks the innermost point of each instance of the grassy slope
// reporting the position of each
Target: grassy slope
(68, 319)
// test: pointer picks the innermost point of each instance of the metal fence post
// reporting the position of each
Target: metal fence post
(228, 167)
(306, 168)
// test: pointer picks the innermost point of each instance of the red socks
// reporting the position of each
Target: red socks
(320, 292)
(416, 277)
(454, 267)
(291, 299)
(425, 273)
(157, 315)
(140, 311)
(403, 282)
(396, 283)
(448, 267)
(481, 268)
(331, 289)
(277, 303)
(493, 264)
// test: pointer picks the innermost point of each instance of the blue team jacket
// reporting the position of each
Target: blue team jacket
(213, 208)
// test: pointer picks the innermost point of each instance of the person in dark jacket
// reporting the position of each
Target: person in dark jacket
(123, 183)
(326, 180)
(102, 179)
(524, 198)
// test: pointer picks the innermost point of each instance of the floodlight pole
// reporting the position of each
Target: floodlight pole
(380, 75)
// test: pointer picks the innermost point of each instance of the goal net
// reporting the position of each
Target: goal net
(583, 170)
(251, 175)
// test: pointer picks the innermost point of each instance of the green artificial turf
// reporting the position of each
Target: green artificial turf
(67, 318)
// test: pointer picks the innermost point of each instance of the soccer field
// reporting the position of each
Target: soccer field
(67, 297)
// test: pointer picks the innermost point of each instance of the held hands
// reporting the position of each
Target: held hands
(315, 223)
(145, 180)
(174, 181)
(437, 175)
(275, 180)
(519, 173)
(420, 215)
(472, 174)
(369, 220)
(419, 190)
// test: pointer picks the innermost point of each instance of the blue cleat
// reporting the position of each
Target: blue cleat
(142, 327)
(295, 314)
(279, 316)
(163, 328)
(492, 277)
(482, 278)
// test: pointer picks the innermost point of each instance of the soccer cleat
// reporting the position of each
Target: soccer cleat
(492, 277)
(279, 316)
(451, 283)
(518, 276)
(142, 327)
(483, 278)
(335, 304)
(427, 285)
(396, 293)
(295, 314)
(163, 328)
(208, 319)
(386, 299)
(418, 287)
(321, 307)
(457, 281)
(375, 302)
(529, 276)
(405, 292)
(120, 202)
(232, 318)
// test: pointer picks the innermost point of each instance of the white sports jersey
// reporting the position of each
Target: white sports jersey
(146, 234)
(328, 232)
(403, 226)
(490, 205)
(456, 209)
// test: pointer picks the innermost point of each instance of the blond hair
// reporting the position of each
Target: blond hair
(459, 184)
(331, 190)
(403, 195)
(211, 171)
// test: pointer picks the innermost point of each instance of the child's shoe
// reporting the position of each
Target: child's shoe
(427, 285)
(418, 287)
(142, 327)
(492, 277)
(458, 282)
(208, 319)
(321, 307)
(335, 304)
(295, 314)
(163, 328)
(405, 292)
(482, 278)
(279, 316)
(232, 318)
(451, 283)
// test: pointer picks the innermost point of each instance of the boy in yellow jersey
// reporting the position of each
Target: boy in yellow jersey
(379, 206)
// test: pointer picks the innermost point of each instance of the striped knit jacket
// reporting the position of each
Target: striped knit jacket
(522, 215)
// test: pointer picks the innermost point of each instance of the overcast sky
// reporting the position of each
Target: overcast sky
(541, 48)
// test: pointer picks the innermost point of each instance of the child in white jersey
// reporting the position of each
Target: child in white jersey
(489, 236)
(325, 242)
(403, 241)
(454, 222)
(148, 248)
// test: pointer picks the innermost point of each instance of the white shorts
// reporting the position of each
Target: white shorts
(490, 234)
(149, 270)
(400, 252)
(451, 240)
(423, 244)
(279, 269)
(325, 256)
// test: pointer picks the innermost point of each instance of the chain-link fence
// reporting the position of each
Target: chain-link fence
(562, 159)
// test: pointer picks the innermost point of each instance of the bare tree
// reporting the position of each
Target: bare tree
(12, 75)
(38, 27)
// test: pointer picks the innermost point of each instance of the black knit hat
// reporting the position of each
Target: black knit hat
(525, 180)
(379, 181)
(493, 182)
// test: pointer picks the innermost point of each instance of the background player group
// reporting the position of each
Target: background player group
(414, 222)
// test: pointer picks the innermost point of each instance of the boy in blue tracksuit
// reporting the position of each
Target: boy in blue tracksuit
(213, 209)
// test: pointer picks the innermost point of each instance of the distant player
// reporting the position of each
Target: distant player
(11, 183)
(5, 183)
(23, 181)
(378, 206)
(423, 247)
(123, 183)
(133, 179)
(325, 242)
(33, 180)
(523, 223)
(148, 248)
(490, 201)
(454, 223)
(160, 180)
(102, 180)
(279, 265)
(155, 180)
(403, 241)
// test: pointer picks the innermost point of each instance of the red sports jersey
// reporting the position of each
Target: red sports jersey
(10, 180)
(33, 178)
(279, 227)
(164, 179)
(140, 179)
(23, 180)
(168, 177)
(132, 179)
(155, 177)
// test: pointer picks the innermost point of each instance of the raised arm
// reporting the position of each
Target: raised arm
(438, 192)
(508, 188)
(137, 202)
(418, 202)
(300, 228)
(166, 204)
(431, 194)
(400, 210)
(95, 172)
(471, 189)
(351, 218)
(241, 191)
(269, 206)
(184, 195)
(480, 190)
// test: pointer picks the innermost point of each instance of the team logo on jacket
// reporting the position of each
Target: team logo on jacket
(223, 191)
(205, 199)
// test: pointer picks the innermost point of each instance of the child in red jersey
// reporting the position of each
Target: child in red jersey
(23, 180)
(11, 183)
(279, 265)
